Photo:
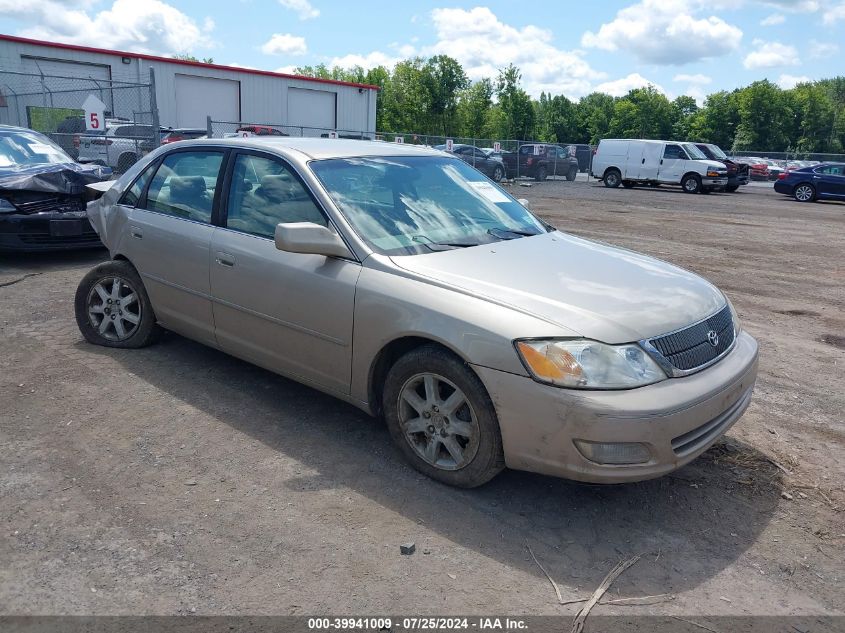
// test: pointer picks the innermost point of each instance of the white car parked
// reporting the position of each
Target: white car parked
(120, 147)
(629, 162)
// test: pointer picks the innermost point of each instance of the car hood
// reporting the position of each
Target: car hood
(602, 292)
(716, 164)
(69, 178)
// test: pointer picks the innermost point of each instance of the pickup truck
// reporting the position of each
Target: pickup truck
(737, 172)
(540, 160)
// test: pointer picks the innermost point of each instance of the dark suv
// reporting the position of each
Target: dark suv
(737, 172)
(490, 165)
(540, 160)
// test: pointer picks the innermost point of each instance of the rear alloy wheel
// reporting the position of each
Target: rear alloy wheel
(112, 307)
(498, 174)
(804, 193)
(612, 178)
(441, 418)
(691, 183)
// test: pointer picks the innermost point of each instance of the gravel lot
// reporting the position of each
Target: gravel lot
(178, 480)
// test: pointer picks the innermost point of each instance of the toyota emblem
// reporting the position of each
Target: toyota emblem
(713, 338)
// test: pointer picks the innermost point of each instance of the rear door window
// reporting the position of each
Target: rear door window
(184, 185)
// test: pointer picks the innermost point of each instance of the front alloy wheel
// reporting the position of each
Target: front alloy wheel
(438, 421)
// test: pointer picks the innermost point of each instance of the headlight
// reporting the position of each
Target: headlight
(6, 206)
(584, 364)
(716, 174)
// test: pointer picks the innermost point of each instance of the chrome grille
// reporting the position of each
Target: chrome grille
(690, 348)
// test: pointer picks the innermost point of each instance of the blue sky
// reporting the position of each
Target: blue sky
(572, 48)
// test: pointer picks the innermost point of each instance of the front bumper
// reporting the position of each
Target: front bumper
(676, 419)
(48, 231)
(715, 182)
(738, 180)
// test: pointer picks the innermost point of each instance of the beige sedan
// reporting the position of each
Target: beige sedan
(405, 282)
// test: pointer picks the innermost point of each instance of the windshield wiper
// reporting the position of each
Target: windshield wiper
(497, 232)
(449, 245)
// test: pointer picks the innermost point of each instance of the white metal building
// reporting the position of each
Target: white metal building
(188, 92)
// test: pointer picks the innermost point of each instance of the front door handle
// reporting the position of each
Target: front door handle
(643, 163)
(225, 259)
(661, 161)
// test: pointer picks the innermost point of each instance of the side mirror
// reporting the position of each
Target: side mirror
(309, 238)
(525, 203)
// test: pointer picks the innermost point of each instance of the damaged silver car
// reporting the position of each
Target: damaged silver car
(407, 283)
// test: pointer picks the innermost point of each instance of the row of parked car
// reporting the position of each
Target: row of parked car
(767, 169)
(531, 160)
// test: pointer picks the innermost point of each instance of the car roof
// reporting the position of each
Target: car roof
(320, 148)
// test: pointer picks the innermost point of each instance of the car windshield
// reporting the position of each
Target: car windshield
(694, 152)
(407, 205)
(717, 152)
(29, 148)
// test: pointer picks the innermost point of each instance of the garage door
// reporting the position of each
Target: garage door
(199, 97)
(65, 68)
(312, 108)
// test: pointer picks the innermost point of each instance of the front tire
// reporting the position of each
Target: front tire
(442, 419)
(731, 188)
(804, 193)
(691, 183)
(572, 174)
(612, 178)
(113, 309)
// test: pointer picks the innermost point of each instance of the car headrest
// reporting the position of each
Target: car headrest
(187, 185)
(278, 187)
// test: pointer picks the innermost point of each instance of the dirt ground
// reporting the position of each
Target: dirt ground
(178, 480)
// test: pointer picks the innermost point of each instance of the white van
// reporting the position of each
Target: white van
(629, 162)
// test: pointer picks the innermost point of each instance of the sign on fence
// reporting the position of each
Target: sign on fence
(497, 147)
(94, 114)
(332, 134)
(399, 139)
(450, 143)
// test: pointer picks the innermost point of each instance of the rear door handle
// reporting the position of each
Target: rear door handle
(136, 233)
(643, 163)
(225, 259)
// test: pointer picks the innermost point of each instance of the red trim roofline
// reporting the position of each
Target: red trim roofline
(170, 60)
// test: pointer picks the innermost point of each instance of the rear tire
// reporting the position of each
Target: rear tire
(573, 174)
(627, 184)
(498, 174)
(465, 447)
(804, 193)
(125, 162)
(691, 183)
(612, 178)
(731, 188)
(542, 173)
(113, 309)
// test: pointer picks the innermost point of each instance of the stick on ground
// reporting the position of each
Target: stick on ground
(581, 616)
(554, 584)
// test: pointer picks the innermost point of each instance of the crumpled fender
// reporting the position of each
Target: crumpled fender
(67, 178)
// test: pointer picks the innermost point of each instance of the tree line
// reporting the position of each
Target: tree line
(434, 96)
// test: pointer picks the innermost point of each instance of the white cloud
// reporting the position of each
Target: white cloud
(152, 26)
(483, 45)
(304, 9)
(286, 70)
(370, 60)
(834, 14)
(790, 81)
(621, 87)
(666, 32)
(773, 19)
(284, 44)
(771, 55)
(693, 79)
(795, 6)
(820, 50)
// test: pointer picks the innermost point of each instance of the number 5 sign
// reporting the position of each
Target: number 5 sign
(94, 113)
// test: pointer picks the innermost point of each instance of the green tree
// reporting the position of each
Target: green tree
(186, 57)
(515, 115)
(717, 121)
(556, 119)
(474, 105)
(684, 109)
(445, 79)
(592, 117)
(764, 118)
(642, 113)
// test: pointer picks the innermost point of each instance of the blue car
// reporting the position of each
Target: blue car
(820, 182)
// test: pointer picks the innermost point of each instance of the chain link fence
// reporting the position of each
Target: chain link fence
(54, 105)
